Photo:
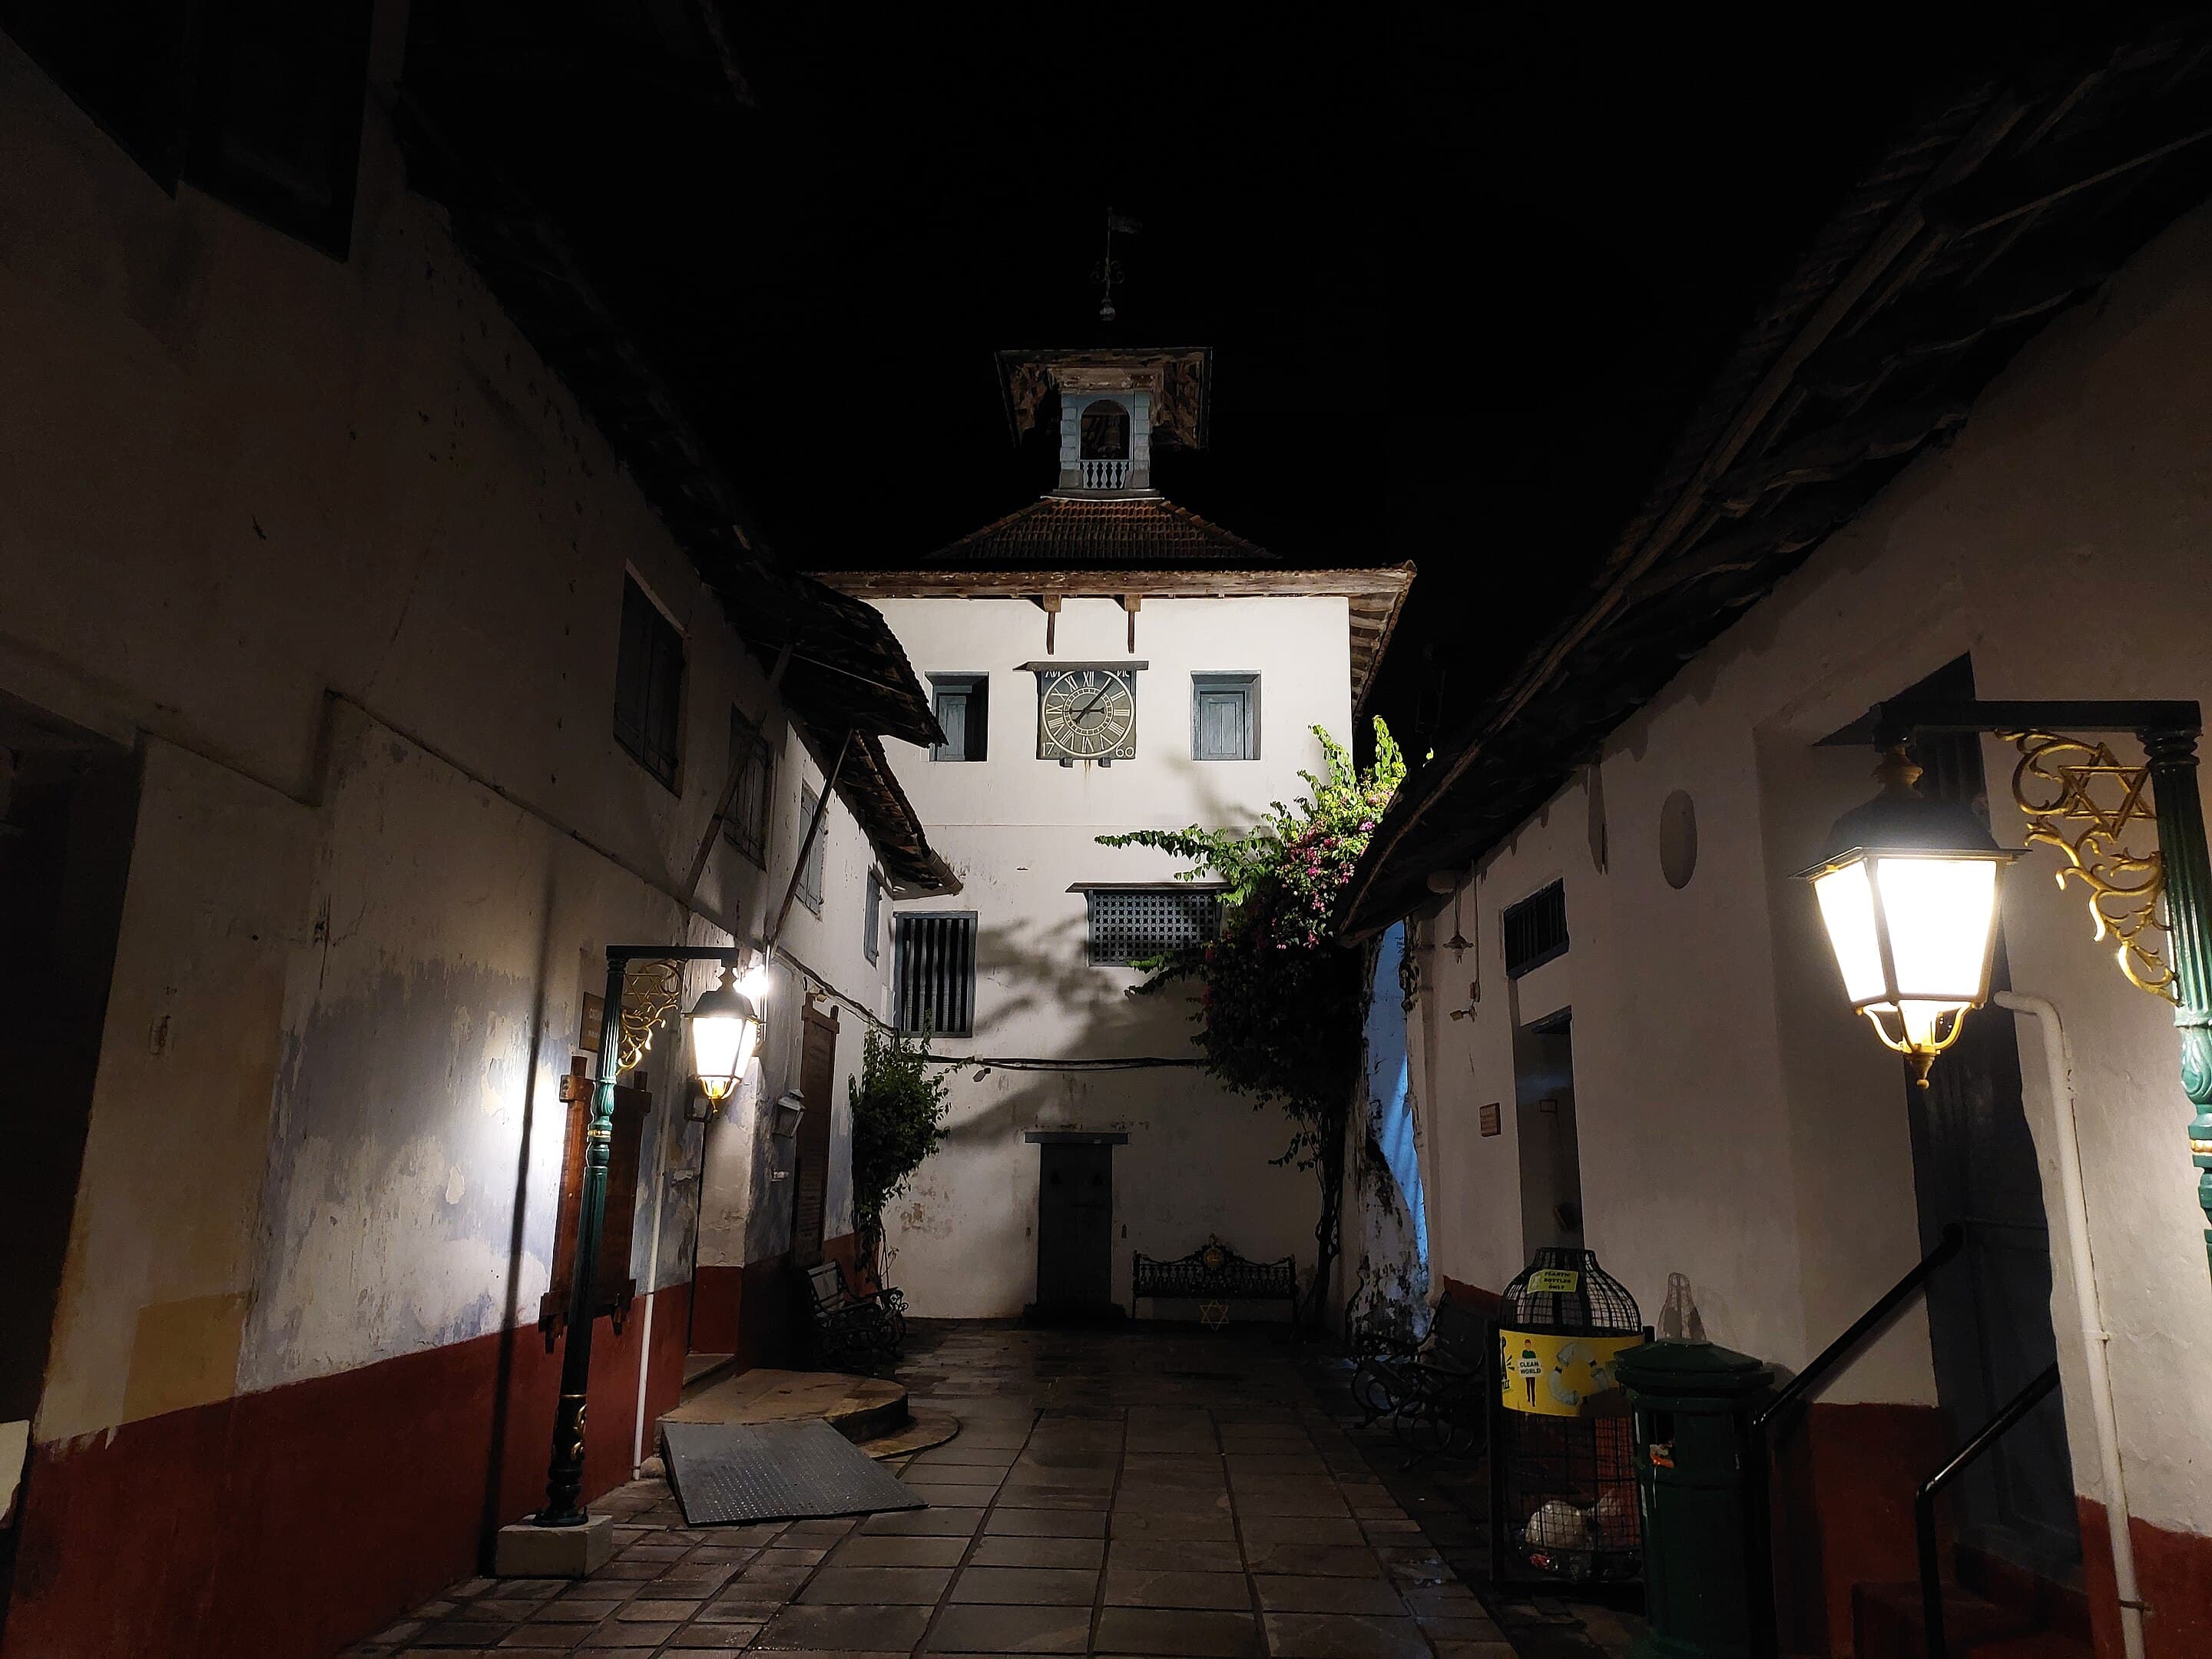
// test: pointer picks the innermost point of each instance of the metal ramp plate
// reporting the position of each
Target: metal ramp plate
(732, 1472)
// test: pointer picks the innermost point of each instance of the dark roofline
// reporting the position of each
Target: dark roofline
(842, 668)
(2003, 206)
(1377, 594)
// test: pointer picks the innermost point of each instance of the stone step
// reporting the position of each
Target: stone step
(1885, 1621)
(861, 1408)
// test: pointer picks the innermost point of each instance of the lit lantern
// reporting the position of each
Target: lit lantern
(726, 1029)
(1908, 892)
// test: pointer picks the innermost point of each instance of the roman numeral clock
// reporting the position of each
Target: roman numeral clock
(1086, 711)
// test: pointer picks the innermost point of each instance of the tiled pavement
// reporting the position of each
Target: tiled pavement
(1128, 1493)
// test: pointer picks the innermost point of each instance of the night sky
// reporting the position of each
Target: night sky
(1464, 277)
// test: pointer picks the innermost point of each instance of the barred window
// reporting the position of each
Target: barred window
(1535, 930)
(1129, 924)
(753, 759)
(933, 973)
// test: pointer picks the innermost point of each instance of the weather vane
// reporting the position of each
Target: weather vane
(1108, 271)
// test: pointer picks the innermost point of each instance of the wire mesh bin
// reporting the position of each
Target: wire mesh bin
(1563, 1505)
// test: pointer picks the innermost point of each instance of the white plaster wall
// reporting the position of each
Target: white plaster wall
(1019, 832)
(334, 546)
(1736, 1122)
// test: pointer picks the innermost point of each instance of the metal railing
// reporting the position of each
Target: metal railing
(1766, 1423)
(1923, 1501)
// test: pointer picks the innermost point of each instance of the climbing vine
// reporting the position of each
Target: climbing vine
(1280, 1004)
(898, 1119)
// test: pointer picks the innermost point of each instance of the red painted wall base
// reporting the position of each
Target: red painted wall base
(290, 1523)
(748, 1311)
(2174, 1569)
(1844, 1481)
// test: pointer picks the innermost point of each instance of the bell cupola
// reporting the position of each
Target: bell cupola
(1113, 405)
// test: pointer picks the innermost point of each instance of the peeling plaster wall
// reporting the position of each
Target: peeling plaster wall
(1019, 831)
(339, 555)
(1737, 1121)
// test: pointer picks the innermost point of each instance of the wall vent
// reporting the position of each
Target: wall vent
(1535, 930)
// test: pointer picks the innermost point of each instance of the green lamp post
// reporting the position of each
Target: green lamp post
(725, 1028)
(1907, 887)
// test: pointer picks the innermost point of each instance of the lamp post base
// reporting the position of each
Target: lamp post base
(526, 1550)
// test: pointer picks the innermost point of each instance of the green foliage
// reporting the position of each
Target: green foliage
(1280, 1003)
(898, 1119)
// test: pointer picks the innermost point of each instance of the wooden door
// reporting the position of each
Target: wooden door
(817, 1083)
(1075, 1225)
(616, 1286)
(1989, 1312)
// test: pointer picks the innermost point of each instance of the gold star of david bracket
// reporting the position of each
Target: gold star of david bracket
(1213, 1315)
(2080, 799)
(651, 991)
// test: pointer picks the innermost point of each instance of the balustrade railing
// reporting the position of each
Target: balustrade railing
(1104, 475)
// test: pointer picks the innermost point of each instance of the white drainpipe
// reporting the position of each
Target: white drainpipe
(2094, 1334)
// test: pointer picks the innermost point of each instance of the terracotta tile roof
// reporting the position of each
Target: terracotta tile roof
(1088, 533)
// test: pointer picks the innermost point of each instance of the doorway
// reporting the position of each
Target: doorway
(1988, 1314)
(817, 1084)
(1075, 1227)
(1551, 1152)
(68, 811)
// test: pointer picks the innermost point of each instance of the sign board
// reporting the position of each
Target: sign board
(1543, 1374)
(1555, 1281)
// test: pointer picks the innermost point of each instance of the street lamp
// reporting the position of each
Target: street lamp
(1908, 892)
(725, 1033)
(726, 1030)
(1907, 888)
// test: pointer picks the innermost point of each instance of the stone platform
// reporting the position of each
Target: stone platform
(870, 1412)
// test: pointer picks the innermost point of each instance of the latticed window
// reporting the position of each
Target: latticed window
(1130, 924)
(933, 973)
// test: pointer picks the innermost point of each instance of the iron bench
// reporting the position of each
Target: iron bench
(1213, 1276)
(855, 1330)
(1437, 1396)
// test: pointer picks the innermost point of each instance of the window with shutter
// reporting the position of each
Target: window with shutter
(933, 973)
(1224, 717)
(754, 759)
(962, 702)
(810, 873)
(649, 685)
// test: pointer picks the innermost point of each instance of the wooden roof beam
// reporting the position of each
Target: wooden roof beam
(1829, 454)
(2004, 193)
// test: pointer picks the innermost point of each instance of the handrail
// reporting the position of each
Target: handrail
(1760, 1499)
(1947, 1246)
(1923, 1501)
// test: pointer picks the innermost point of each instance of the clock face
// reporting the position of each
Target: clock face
(1088, 713)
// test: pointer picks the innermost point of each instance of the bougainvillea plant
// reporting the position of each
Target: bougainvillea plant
(1280, 1003)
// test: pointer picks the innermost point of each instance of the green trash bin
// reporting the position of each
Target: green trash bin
(1692, 1403)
